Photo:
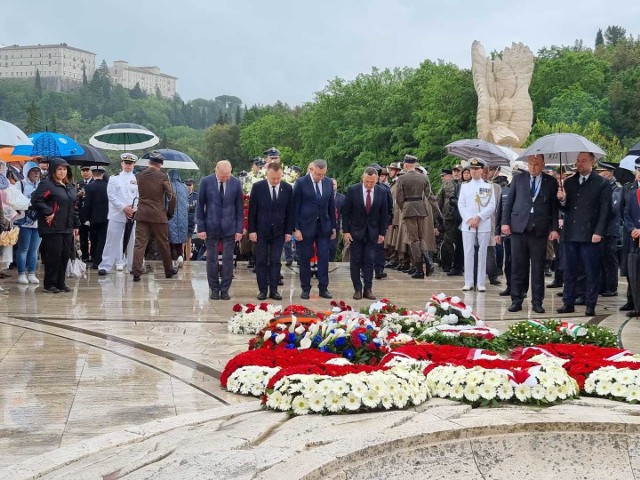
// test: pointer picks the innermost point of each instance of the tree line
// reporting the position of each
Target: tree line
(375, 118)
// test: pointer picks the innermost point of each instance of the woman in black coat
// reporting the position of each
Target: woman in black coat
(54, 201)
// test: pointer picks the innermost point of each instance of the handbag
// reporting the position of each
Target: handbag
(9, 238)
(76, 268)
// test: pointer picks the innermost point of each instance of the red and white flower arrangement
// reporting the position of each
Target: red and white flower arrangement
(251, 318)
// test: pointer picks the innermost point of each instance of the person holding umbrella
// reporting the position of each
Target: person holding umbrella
(631, 218)
(54, 200)
(585, 199)
(122, 191)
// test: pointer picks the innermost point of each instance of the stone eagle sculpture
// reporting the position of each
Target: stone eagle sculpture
(505, 110)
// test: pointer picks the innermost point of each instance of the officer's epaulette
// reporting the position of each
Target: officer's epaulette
(618, 184)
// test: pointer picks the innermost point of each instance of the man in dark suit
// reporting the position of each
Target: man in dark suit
(631, 219)
(530, 216)
(152, 215)
(314, 221)
(629, 192)
(87, 178)
(338, 199)
(219, 219)
(365, 217)
(269, 226)
(586, 200)
(96, 211)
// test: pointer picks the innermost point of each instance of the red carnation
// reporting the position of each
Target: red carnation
(237, 307)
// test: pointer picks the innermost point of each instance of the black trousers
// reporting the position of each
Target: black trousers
(56, 250)
(98, 236)
(590, 254)
(268, 264)
(506, 248)
(379, 260)
(84, 231)
(361, 259)
(528, 254)
(609, 265)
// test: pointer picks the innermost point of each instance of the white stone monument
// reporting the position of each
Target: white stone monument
(505, 111)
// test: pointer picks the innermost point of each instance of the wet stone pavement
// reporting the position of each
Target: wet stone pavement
(112, 354)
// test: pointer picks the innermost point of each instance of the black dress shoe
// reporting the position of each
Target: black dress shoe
(50, 290)
(418, 274)
(555, 284)
(102, 272)
(262, 296)
(495, 281)
(590, 312)
(454, 273)
(411, 271)
(515, 307)
(325, 294)
(288, 263)
(538, 309)
(224, 296)
(609, 294)
(559, 294)
(251, 265)
(64, 288)
(304, 295)
(632, 314)
(380, 276)
(404, 269)
(566, 309)
(505, 293)
(579, 301)
(626, 307)
(357, 295)
(94, 267)
(275, 295)
(136, 278)
(215, 295)
(368, 294)
(281, 282)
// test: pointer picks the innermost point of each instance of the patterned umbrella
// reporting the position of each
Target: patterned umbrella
(49, 144)
(124, 136)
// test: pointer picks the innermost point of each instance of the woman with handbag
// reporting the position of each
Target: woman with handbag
(29, 238)
(54, 200)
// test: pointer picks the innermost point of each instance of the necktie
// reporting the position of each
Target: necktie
(318, 194)
(221, 192)
(367, 206)
(582, 179)
(273, 194)
(533, 187)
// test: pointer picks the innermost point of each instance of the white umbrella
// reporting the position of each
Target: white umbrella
(10, 135)
(172, 159)
(559, 148)
(629, 162)
(124, 136)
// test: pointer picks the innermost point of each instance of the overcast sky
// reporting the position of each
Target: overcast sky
(264, 51)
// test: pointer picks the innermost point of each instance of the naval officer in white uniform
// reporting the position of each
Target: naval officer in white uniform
(123, 194)
(476, 204)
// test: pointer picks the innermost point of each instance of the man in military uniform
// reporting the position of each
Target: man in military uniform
(413, 190)
(84, 230)
(448, 208)
(609, 264)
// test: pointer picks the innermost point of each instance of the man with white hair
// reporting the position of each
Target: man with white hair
(122, 191)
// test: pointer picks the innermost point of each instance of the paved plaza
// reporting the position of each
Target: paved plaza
(112, 355)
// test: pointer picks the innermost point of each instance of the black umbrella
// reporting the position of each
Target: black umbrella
(635, 150)
(91, 157)
(128, 227)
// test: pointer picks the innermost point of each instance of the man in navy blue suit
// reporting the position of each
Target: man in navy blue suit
(219, 218)
(365, 217)
(314, 221)
(270, 224)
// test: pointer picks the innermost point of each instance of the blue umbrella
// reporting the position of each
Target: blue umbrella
(49, 144)
(172, 159)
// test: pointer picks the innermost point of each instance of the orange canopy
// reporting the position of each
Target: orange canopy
(6, 155)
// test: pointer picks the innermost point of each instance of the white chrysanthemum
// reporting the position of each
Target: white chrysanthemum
(352, 402)
(333, 402)
(488, 392)
(325, 386)
(387, 401)
(551, 395)
(590, 384)
(564, 391)
(300, 405)
(492, 378)
(504, 391)
(538, 392)
(619, 390)
(603, 388)
(274, 400)
(522, 392)
(633, 393)
(371, 399)
(316, 402)
(457, 392)
(472, 393)
(379, 386)
(474, 377)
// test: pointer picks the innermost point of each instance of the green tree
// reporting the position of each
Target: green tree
(574, 105)
(34, 121)
(222, 142)
(614, 33)
(599, 38)
(624, 98)
(38, 85)
(53, 123)
(136, 91)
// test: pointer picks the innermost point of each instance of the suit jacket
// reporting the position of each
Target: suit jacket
(268, 219)
(311, 213)
(82, 187)
(631, 209)
(586, 209)
(154, 188)
(355, 219)
(517, 206)
(95, 207)
(339, 203)
(219, 219)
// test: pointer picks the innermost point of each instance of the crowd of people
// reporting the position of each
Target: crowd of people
(480, 225)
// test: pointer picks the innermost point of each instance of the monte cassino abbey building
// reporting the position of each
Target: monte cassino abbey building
(61, 67)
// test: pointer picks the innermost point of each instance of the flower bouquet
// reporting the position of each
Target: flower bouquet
(251, 318)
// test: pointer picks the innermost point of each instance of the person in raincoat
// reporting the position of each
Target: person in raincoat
(179, 223)
(29, 238)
